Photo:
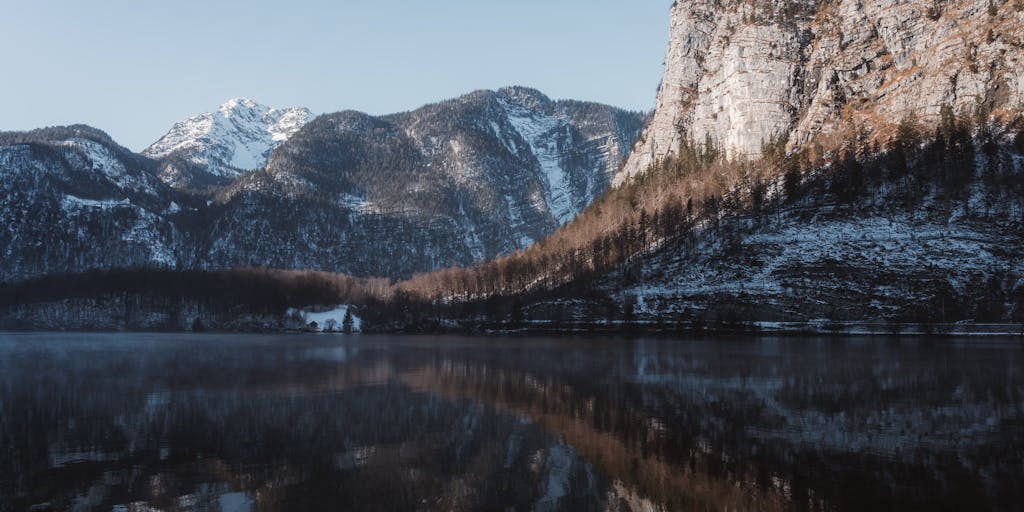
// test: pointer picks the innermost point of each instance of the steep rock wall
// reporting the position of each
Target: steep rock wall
(744, 72)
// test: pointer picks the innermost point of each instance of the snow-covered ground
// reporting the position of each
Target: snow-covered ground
(864, 261)
(333, 318)
(892, 244)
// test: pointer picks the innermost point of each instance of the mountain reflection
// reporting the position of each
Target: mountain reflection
(182, 422)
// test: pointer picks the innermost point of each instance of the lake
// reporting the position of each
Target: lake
(132, 422)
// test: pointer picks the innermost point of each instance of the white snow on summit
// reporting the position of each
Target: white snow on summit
(237, 137)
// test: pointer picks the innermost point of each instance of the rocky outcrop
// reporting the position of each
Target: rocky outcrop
(742, 73)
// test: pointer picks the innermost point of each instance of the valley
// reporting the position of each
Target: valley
(810, 166)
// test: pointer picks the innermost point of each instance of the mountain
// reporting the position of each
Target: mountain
(748, 73)
(448, 184)
(809, 164)
(214, 148)
(72, 199)
(888, 177)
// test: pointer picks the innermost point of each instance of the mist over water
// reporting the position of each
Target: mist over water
(217, 422)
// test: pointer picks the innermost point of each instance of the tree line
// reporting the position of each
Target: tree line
(252, 290)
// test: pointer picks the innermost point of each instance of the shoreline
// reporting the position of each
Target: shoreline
(640, 329)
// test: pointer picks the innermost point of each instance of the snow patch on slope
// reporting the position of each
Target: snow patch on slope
(145, 231)
(100, 159)
(17, 159)
(797, 254)
(516, 221)
(354, 203)
(70, 202)
(541, 132)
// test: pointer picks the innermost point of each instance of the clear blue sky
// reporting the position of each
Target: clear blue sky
(134, 67)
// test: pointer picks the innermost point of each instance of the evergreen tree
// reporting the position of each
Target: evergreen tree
(347, 322)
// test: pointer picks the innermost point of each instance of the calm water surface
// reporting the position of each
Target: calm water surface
(190, 422)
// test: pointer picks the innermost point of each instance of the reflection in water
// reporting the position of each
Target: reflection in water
(185, 422)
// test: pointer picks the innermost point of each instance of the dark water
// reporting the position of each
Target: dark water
(185, 422)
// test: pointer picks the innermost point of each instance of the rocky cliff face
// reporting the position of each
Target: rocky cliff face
(925, 228)
(743, 73)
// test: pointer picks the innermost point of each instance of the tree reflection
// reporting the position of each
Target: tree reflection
(272, 423)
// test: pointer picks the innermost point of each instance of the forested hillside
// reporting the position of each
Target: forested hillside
(927, 228)
(453, 183)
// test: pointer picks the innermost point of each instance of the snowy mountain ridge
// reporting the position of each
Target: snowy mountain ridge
(451, 183)
(238, 137)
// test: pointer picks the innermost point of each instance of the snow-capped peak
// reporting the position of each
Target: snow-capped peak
(235, 138)
(240, 103)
